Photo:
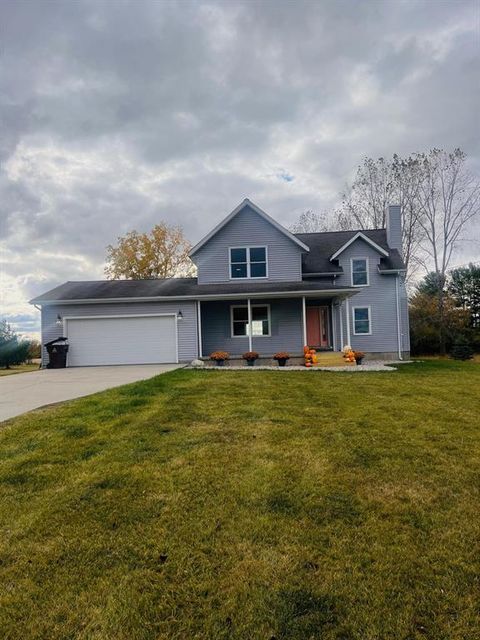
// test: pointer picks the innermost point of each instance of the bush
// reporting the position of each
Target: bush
(461, 351)
(34, 350)
(13, 350)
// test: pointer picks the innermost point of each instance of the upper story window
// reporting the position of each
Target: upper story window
(359, 272)
(248, 262)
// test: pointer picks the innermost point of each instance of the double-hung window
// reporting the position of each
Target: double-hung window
(260, 320)
(361, 321)
(248, 262)
(359, 272)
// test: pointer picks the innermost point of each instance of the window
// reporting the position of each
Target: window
(248, 262)
(260, 320)
(361, 321)
(359, 272)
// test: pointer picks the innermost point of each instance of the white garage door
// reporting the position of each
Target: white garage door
(125, 340)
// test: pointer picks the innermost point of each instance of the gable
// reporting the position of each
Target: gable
(248, 206)
(359, 236)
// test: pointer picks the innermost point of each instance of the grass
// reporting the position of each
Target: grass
(210, 505)
(21, 368)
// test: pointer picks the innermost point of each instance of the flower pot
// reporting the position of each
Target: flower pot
(282, 362)
(359, 360)
(220, 363)
(250, 362)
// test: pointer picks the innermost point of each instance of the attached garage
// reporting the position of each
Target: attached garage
(114, 340)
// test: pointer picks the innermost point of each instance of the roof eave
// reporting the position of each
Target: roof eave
(206, 296)
(363, 237)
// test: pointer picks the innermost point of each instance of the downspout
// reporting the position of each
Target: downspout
(249, 306)
(399, 337)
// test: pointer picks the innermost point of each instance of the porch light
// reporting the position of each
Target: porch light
(58, 321)
(179, 315)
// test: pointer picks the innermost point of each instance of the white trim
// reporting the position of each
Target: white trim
(334, 330)
(347, 313)
(391, 270)
(249, 319)
(247, 247)
(199, 328)
(362, 236)
(397, 301)
(364, 306)
(219, 296)
(252, 306)
(367, 267)
(304, 318)
(341, 325)
(261, 213)
(123, 316)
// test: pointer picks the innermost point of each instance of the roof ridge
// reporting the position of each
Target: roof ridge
(319, 233)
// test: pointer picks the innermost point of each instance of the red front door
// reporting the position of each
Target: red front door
(317, 326)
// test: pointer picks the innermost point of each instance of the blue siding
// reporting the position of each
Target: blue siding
(187, 328)
(381, 297)
(248, 228)
(286, 328)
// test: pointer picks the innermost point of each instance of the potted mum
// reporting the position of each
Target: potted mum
(250, 357)
(219, 357)
(281, 357)
(359, 356)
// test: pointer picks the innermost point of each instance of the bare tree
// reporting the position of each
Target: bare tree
(161, 254)
(310, 222)
(365, 202)
(377, 184)
(450, 200)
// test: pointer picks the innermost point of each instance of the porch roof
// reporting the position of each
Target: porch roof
(184, 289)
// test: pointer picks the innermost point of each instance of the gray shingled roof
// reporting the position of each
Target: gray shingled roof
(172, 287)
(322, 246)
(325, 244)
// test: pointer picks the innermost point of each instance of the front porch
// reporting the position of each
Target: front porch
(271, 324)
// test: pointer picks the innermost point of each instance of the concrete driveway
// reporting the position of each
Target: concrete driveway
(26, 391)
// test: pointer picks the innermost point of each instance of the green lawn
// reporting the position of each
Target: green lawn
(243, 505)
(21, 368)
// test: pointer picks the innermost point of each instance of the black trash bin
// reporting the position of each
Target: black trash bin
(57, 353)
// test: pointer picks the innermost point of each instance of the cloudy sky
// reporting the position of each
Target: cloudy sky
(118, 114)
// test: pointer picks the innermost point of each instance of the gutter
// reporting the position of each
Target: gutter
(219, 296)
(391, 270)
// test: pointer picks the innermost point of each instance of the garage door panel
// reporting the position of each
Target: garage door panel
(123, 340)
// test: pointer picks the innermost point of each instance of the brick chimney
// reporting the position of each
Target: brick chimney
(394, 227)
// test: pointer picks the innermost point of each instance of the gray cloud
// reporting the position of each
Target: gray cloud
(117, 115)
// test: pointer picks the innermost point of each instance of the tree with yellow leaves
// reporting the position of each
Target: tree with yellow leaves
(162, 253)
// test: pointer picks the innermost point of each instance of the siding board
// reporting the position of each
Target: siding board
(248, 228)
(380, 297)
(187, 328)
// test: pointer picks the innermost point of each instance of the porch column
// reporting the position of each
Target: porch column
(341, 325)
(199, 328)
(334, 332)
(304, 320)
(347, 309)
(249, 307)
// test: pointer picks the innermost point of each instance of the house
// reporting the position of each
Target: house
(259, 287)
